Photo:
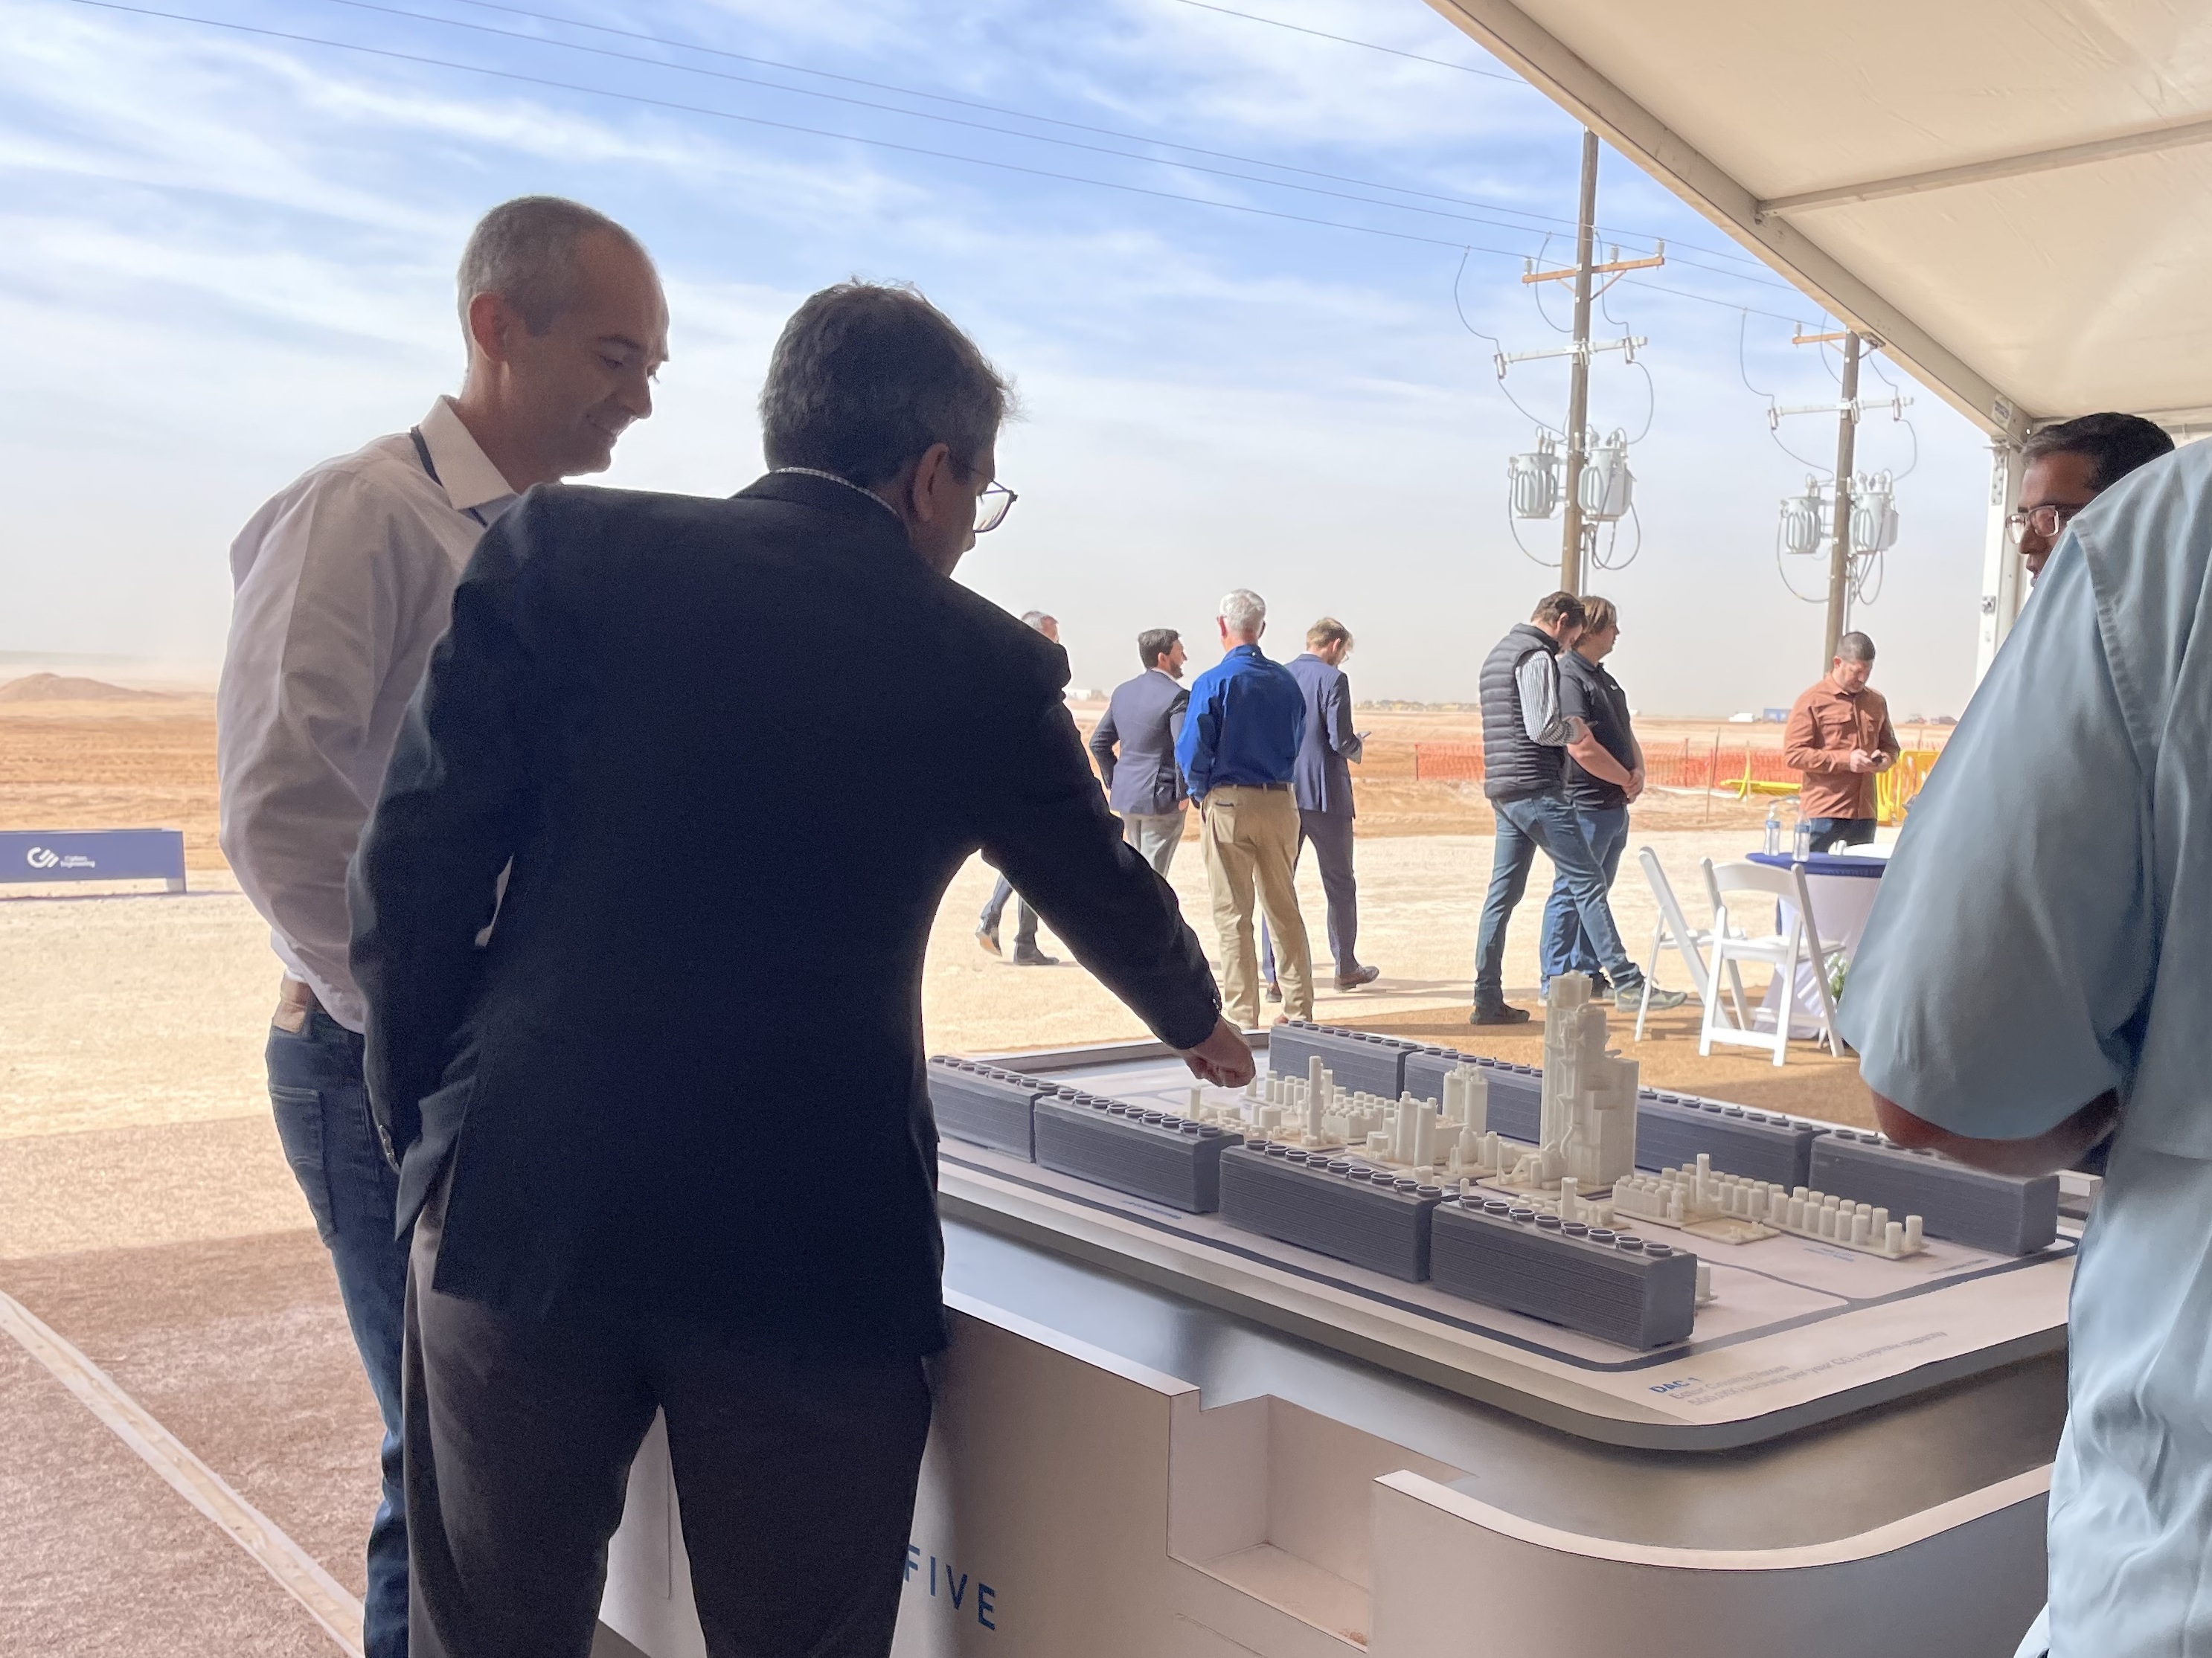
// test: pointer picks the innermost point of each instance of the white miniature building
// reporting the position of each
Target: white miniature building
(1586, 1122)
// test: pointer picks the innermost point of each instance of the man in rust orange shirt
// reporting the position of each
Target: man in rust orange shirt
(1839, 736)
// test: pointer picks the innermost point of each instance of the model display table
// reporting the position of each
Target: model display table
(1159, 1434)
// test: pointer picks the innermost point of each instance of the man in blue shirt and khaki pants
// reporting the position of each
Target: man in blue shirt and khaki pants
(1238, 749)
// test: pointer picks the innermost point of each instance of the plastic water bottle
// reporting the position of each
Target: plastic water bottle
(1773, 826)
(1804, 849)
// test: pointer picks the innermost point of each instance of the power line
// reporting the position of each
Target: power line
(783, 126)
(563, 22)
(927, 115)
(1346, 40)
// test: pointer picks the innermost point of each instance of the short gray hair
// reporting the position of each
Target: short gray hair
(525, 251)
(1855, 647)
(1243, 610)
(867, 376)
(1036, 619)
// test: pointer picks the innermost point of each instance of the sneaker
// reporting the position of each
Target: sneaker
(1356, 977)
(1628, 999)
(1273, 993)
(989, 942)
(1033, 957)
(1500, 1014)
(1601, 987)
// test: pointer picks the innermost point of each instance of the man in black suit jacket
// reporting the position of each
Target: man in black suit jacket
(667, 1127)
(1133, 747)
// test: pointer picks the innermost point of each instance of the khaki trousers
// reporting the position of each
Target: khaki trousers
(1251, 837)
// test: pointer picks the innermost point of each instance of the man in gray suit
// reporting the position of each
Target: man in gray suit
(1144, 784)
(1324, 784)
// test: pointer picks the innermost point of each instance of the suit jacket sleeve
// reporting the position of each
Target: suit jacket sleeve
(424, 882)
(1336, 717)
(1103, 739)
(1053, 837)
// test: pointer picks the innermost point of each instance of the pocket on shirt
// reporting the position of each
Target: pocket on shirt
(299, 1113)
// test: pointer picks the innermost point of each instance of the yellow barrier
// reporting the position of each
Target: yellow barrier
(1894, 789)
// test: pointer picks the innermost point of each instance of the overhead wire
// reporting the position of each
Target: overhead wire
(1538, 421)
(786, 126)
(564, 22)
(1346, 40)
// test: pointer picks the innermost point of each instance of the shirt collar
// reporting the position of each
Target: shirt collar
(845, 482)
(1251, 650)
(469, 479)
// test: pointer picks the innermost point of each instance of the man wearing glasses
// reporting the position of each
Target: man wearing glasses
(2068, 466)
(667, 1130)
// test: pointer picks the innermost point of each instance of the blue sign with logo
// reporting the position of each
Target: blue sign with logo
(93, 855)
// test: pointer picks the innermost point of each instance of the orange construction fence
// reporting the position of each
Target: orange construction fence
(1738, 769)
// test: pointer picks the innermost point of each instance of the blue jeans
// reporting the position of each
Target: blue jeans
(1829, 833)
(323, 1122)
(1566, 947)
(1545, 823)
(1025, 919)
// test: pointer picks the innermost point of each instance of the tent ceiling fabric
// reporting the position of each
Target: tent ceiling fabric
(2042, 284)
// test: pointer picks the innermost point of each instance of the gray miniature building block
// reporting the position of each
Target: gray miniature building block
(1613, 1285)
(1516, 1091)
(1340, 1206)
(1360, 1061)
(1672, 1129)
(1146, 1153)
(2006, 1214)
(985, 1105)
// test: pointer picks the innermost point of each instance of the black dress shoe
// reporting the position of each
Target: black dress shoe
(989, 941)
(1273, 993)
(1033, 957)
(1356, 977)
(1500, 1014)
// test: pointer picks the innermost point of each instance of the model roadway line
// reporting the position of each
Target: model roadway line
(1642, 1362)
(298, 1573)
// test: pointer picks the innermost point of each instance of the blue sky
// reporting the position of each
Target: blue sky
(226, 254)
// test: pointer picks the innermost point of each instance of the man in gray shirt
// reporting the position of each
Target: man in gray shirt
(1133, 748)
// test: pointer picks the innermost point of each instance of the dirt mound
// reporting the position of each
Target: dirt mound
(67, 688)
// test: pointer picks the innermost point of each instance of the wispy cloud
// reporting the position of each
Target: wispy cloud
(230, 254)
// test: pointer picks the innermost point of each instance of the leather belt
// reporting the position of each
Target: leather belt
(1251, 786)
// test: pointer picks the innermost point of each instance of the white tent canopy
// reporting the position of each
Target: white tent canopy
(2009, 194)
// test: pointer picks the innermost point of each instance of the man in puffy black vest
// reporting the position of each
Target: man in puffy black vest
(1525, 738)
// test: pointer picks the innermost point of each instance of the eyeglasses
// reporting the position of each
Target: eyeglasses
(993, 506)
(2045, 521)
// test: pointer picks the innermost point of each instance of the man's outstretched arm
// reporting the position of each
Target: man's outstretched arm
(2041, 1154)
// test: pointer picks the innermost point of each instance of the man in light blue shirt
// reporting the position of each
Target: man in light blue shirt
(2013, 1011)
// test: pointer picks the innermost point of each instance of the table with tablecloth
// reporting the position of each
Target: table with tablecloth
(1842, 886)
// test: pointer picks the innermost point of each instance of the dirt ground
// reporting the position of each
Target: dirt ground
(147, 1212)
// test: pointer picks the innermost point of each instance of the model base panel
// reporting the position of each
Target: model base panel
(1148, 1154)
(985, 1105)
(2006, 1214)
(1340, 1207)
(1613, 1285)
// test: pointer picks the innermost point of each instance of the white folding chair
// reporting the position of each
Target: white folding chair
(1823, 952)
(1675, 931)
(1781, 952)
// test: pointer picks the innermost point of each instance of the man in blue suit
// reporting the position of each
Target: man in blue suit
(1144, 784)
(1322, 782)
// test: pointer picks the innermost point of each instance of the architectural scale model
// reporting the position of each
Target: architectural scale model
(1160, 1154)
(2005, 1214)
(1730, 1209)
(1360, 1060)
(1516, 1091)
(1613, 1285)
(1675, 1129)
(985, 1105)
(1587, 1129)
(1338, 1206)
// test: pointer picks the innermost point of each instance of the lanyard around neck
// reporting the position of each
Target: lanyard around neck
(423, 454)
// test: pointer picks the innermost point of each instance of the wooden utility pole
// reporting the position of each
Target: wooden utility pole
(1840, 551)
(1571, 547)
